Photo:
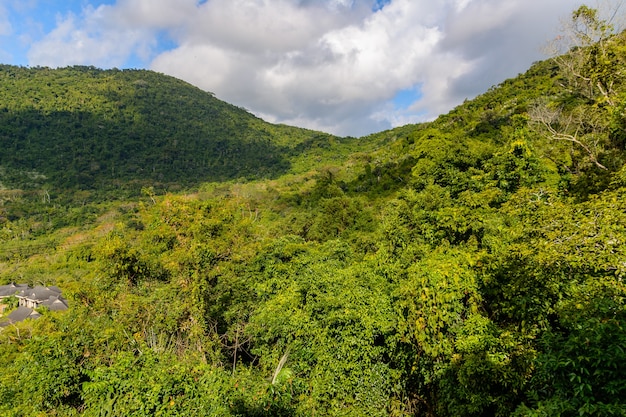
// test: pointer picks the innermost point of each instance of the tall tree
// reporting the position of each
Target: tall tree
(591, 58)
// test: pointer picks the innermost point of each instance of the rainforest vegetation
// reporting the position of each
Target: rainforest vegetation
(216, 264)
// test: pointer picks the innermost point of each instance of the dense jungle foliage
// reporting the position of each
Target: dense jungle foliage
(470, 266)
(89, 129)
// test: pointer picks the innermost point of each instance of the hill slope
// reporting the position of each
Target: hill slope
(472, 266)
(81, 127)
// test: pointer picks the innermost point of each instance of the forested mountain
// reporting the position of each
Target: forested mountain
(470, 266)
(85, 128)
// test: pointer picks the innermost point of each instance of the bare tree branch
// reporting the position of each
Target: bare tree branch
(549, 118)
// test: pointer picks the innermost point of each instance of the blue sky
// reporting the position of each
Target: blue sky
(349, 67)
(30, 21)
(405, 98)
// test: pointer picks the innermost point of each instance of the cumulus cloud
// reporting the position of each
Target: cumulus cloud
(333, 65)
(325, 66)
(500, 38)
(93, 38)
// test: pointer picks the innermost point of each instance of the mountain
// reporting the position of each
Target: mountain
(469, 266)
(85, 128)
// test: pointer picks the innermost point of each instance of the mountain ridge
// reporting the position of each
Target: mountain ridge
(73, 124)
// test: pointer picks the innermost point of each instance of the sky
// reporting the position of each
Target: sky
(348, 67)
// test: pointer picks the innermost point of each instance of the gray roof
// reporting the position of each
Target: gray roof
(56, 303)
(19, 314)
(39, 293)
(43, 296)
(54, 288)
(11, 289)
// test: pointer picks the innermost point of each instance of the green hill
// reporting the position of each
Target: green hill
(470, 266)
(85, 128)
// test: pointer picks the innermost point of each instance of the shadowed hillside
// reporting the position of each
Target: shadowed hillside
(86, 128)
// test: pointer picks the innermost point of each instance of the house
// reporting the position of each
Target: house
(30, 298)
(11, 289)
(39, 296)
(19, 314)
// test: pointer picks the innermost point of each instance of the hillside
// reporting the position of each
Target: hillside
(85, 128)
(470, 266)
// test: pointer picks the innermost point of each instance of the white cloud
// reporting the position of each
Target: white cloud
(312, 65)
(332, 64)
(461, 4)
(93, 38)
(152, 14)
(204, 65)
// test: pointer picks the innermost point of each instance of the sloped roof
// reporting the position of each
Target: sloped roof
(19, 314)
(54, 288)
(43, 296)
(56, 303)
(11, 289)
(39, 293)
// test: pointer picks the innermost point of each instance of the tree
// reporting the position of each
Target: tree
(562, 125)
(591, 60)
